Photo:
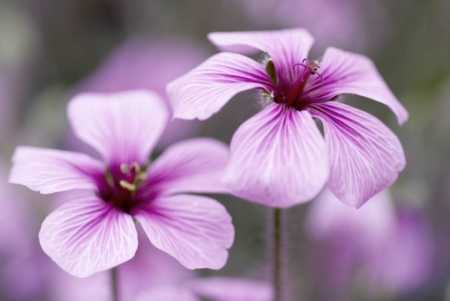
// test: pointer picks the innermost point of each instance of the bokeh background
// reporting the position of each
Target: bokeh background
(51, 50)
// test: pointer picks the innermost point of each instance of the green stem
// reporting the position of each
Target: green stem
(115, 284)
(277, 260)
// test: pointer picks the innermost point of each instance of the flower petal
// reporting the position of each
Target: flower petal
(194, 165)
(232, 289)
(278, 158)
(49, 171)
(365, 156)
(123, 127)
(207, 88)
(85, 235)
(196, 230)
(286, 47)
(344, 72)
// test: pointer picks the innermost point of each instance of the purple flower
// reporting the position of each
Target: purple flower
(391, 250)
(214, 288)
(95, 229)
(367, 226)
(150, 65)
(20, 277)
(150, 268)
(279, 157)
(407, 261)
(232, 289)
(331, 20)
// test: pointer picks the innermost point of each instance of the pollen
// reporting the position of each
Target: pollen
(128, 186)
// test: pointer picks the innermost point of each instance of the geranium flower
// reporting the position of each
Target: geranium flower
(95, 229)
(149, 268)
(140, 64)
(279, 157)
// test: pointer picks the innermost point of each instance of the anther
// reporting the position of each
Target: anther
(136, 167)
(128, 186)
(125, 168)
(313, 66)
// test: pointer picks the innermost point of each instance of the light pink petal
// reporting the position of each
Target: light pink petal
(365, 156)
(344, 72)
(232, 289)
(207, 88)
(329, 218)
(85, 235)
(196, 230)
(168, 293)
(278, 158)
(49, 171)
(194, 165)
(123, 127)
(286, 47)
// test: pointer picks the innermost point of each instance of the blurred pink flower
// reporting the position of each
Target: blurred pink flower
(95, 230)
(390, 250)
(337, 22)
(214, 288)
(279, 157)
(150, 65)
(404, 262)
(369, 225)
(232, 289)
(150, 268)
(19, 269)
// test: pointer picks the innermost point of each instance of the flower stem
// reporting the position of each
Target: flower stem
(115, 284)
(277, 261)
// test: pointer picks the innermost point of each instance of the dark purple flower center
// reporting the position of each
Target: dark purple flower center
(121, 186)
(294, 87)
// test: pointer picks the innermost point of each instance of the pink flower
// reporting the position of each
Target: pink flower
(391, 250)
(214, 288)
(150, 65)
(407, 259)
(232, 289)
(148, 269)
(95, 229)
(279, 157)
(332, 20)
(20, 274)
(370, 225)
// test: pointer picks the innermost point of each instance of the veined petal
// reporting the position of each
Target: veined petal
(365, 156)
(49, 171)
(232, 289)
(85, 235)
(196, 230)
(123, 127)
(194, 165)
(286, 47)
(344, 72)
(278, 158)
(207, 88)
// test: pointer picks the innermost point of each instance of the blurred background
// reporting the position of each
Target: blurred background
(51, 50)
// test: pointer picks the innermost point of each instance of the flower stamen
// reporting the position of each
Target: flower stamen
(128, 186)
